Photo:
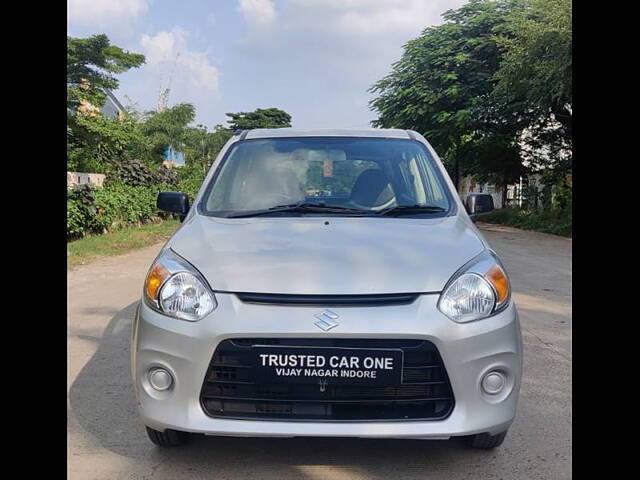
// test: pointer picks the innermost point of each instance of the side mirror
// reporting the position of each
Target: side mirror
(479, 203)
(173, 202)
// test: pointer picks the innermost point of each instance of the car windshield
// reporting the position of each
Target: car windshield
(330, 175)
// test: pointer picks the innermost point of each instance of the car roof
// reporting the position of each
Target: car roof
(347, 132)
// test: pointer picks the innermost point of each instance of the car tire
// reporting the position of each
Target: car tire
(168, 438)
(486, 441)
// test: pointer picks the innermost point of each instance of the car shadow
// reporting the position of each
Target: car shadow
(102, 406)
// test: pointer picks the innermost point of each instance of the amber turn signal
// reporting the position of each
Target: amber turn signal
(155, 279)
(499, 280)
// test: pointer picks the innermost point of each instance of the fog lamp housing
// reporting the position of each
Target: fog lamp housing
(160, 379)
(493, 382)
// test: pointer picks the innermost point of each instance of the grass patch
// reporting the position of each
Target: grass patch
(556, 222)
(118, 242)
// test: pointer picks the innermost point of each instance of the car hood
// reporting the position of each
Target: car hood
(328, 255)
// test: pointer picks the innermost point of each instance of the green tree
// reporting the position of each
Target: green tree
(493, 158)
(91, 65)
(442, 84)
(260, 118)
(535, 71)
(535, 77)
(92, 142)
(201, 146)
(167, 128)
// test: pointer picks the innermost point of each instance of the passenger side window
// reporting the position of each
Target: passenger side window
(422, 177)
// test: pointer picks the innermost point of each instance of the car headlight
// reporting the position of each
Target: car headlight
(478, 290)
(175, 288)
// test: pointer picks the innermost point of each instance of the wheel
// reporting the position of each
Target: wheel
(485, 440)
(168, 438)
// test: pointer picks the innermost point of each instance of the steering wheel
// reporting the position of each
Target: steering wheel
(375, 207)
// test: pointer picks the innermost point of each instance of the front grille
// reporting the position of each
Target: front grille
(231, 390)
(385, 299)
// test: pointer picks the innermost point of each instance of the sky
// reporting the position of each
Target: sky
(315, 59)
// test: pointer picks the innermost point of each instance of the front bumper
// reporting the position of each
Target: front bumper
(467, 350)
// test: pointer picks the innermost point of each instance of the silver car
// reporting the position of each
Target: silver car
(326, 283)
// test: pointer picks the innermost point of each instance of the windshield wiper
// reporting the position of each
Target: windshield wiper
(409, 209)
(302, 208)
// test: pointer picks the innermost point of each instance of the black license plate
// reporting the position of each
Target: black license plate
(336, 366)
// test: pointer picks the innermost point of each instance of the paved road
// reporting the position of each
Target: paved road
(105, 440)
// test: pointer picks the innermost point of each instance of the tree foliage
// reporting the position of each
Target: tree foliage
(492, 158)
(260, 118)
(93, 141)
(91, 65)
(167, 129)
(441, 85)
(494, 72)
(201, 146)
(535, 77)
(536, 65)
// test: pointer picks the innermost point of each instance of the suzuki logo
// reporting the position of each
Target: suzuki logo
(326, 320)
(323, 385)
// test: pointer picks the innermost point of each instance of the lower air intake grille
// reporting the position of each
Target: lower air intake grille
(232, 389)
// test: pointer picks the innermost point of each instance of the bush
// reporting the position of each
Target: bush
(97, 210)
(129, 171)
(81, 210)
(190, 187)
(165, 176)
(75, 219)
(133, 172)
(554, 221)
(190, 178)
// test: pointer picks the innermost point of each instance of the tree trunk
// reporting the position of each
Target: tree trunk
(504, 189)
(456, 173)
(456, 176)
(565, 116)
